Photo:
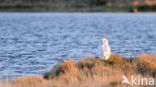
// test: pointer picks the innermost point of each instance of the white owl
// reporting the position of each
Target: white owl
(104, 49)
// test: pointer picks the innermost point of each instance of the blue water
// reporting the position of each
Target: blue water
(32, 43)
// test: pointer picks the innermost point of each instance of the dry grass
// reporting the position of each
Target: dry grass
(91, 72)
(29, 81)
(146, 64)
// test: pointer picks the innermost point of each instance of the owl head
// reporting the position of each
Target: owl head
(104, 41)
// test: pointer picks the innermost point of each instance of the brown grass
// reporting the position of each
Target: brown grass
(29, 81)
(146, 64)
(91, 72)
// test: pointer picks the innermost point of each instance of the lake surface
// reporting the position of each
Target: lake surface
(32, 43)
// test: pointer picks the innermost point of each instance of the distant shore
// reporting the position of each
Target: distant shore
(47, 9)
(78, 9)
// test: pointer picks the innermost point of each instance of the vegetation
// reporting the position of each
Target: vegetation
(146, 8)
(91, 72)
(77, 5)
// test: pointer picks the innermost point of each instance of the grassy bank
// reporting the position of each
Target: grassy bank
(91, 72)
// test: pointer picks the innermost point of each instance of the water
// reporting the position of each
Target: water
(32, 43)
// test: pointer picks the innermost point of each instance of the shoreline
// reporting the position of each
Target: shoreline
(113, 9)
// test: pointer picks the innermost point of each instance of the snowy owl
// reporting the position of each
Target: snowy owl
(104, 49)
